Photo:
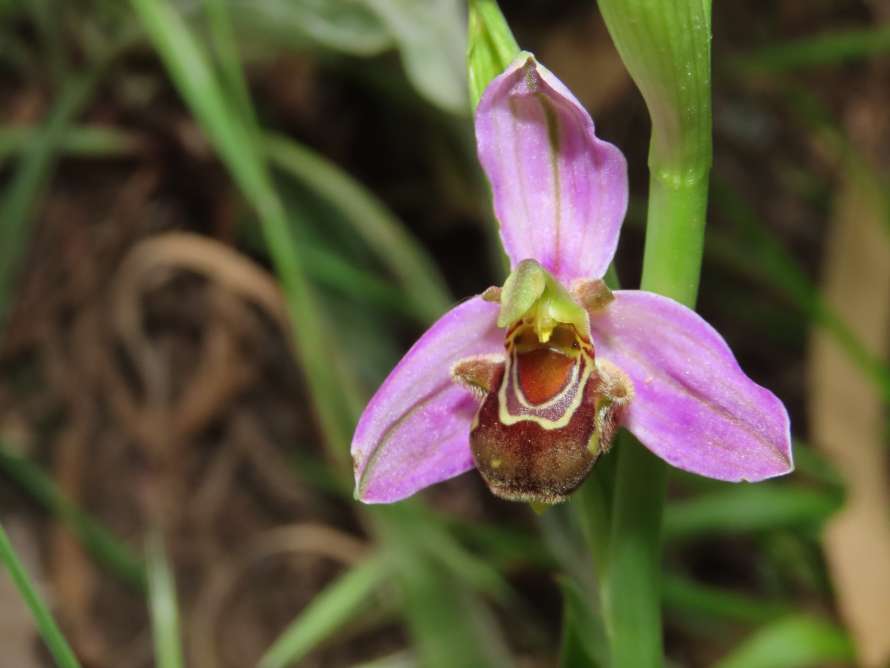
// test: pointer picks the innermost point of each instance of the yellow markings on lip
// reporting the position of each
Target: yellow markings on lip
(507, 419)
(517, 340)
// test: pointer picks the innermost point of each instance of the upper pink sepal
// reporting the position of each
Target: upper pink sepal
(560, 194)
(415, 430)
(693, 406)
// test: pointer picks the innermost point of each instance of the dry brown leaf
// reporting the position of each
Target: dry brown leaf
(846, 414)
(219, 374)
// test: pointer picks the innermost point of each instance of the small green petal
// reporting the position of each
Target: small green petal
(558, 306)
(531, 293)
(523, 288)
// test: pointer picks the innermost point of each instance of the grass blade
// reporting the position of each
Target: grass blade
(340, 602)
(398, 660)
(741, 509)
(107, 549)
(583, 634)
(90, 141)
(31, 177)
(449, 625)
(687, 596)
(793, 642)
(371, 220)
(828, 49)
(47, 626)
(333, 395)
(162, 606)
(323, 266)
(226, 47)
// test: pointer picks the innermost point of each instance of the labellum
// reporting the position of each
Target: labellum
(548, 411)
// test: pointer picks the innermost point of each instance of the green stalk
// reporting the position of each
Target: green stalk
(675, 231)
(55, 641)
(632, 583)
(163, 608)
(665, 45)
(491, 46)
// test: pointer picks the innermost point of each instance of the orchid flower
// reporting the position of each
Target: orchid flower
(529, 382)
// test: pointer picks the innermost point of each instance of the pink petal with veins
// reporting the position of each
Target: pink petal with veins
(693, 406)
(560, 194)
(415, 430)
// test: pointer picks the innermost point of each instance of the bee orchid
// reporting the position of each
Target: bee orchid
(528, 382)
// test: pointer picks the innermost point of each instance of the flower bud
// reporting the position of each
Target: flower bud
(491, 46)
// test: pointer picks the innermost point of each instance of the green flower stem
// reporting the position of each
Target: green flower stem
(665, 45)
(632, 598)
(675, 229)
(632, 583)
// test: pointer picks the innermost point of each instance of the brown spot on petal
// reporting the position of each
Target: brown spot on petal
(479, 374)
(593, 295)
(492, 294)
